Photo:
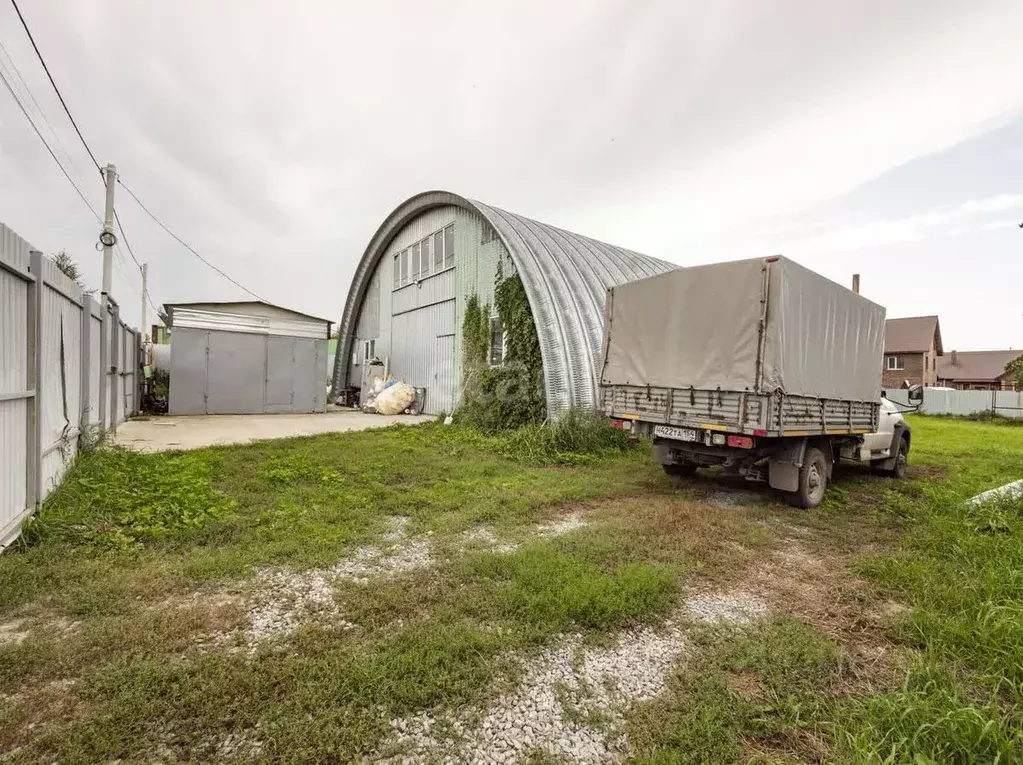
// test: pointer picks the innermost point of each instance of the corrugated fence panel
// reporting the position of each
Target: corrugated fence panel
(13, 380)
(61, 349)
(57, 393)
(964, 402)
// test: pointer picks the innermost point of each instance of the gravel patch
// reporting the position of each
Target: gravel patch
(736, 607)
(283, 600)
(562, 525)
(570, 704)
(483, 537)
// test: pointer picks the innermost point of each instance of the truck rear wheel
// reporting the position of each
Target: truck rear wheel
(681, 469)
(813, 480)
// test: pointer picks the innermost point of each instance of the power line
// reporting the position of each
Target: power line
(42, 113)
(185, 244)
(124, 238)
(46, 144)
(54, 84)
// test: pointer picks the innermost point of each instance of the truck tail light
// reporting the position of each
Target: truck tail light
(740, 442)
(621, 424)
(760, 433)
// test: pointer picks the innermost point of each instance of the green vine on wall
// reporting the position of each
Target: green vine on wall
(475, 336)
(512, 394)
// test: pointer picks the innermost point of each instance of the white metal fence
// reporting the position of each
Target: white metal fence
(964, 402)
(50, 377)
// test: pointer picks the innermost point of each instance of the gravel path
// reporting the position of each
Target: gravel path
(283, 600)
(570, 704)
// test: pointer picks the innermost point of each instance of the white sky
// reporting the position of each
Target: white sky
(877, 137)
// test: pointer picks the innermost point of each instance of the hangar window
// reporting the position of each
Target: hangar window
(404, 268)
(449, 246)
(397, 270)
(416, 273)
(424, 258)
(496, 342)
(438, 251)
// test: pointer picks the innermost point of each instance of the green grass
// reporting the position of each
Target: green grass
(104, 586)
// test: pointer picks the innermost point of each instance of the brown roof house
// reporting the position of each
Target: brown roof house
(976, 370)
(911, 350)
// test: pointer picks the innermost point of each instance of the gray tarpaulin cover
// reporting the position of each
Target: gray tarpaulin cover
(698, 327)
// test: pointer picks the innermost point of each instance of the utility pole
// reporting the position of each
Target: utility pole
(108, 238)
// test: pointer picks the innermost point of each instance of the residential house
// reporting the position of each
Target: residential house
(911, 350)
(976, 370)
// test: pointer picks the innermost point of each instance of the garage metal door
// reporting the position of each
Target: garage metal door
(188, 372)
(242, 373)
(235, 373)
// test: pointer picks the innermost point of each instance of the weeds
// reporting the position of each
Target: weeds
(577, 437)
(121, 498)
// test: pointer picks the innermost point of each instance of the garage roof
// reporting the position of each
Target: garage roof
(565, 275)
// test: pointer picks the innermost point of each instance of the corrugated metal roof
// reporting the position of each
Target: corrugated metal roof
(240, 308)
(565, 275)
(190, 318)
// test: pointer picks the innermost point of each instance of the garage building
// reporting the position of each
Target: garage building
(246, 358)
(434, 252)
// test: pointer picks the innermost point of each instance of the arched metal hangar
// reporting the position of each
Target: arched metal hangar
(436, 250)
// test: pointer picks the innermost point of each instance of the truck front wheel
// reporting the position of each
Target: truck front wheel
(813, 480)
(901, 458)
(681, 469)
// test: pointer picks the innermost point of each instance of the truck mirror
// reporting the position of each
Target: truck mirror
(916, 394)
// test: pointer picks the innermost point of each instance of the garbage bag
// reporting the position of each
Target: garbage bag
(394, 398)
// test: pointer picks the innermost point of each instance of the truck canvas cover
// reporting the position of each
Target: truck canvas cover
(700, 327)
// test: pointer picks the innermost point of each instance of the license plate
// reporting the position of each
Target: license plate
(679, 434)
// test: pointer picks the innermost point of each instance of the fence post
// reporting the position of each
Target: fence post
(112, 369)
(34, 430)
(85, 394)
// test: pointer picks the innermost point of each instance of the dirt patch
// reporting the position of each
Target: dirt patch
(562, 525)
(13, 632)
(733, 499)
(916, 472)
(746, 682)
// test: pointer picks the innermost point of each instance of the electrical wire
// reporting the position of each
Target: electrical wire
(46, 144)
(124, 238)
(13, 68)
(185, 244)
(54, 84)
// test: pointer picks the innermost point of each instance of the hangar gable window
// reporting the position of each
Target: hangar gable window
(496, 342)
(416, 272)
(397, 270)
(404, 268)
(449, 246)
(438, 251)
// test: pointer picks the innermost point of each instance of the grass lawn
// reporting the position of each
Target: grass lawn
(423, 591)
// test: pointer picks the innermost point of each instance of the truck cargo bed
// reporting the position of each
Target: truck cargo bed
(745, 412)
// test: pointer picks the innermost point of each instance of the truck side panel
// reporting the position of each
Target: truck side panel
(740, 412)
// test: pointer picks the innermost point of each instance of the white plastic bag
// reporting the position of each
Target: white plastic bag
(394, 398)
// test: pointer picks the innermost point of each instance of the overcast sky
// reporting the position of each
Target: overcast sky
(884, 138)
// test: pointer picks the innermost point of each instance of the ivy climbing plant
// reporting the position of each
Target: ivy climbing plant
(512, 394)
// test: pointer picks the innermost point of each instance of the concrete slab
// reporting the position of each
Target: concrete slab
(166, 433)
